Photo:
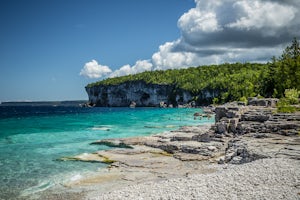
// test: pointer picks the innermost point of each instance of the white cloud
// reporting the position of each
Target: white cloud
(263, 15)
(166, 58)
(221, 31)
(125, 70)
(140, 66)
(94, 70)
(196, 21)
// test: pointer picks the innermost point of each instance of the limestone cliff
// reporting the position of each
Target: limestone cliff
(143, 94)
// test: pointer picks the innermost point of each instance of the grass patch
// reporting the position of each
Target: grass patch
(287, 104)
(106, 160)
(286, 109)
(163, 153)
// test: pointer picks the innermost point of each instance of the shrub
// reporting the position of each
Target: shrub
(292, 95)
(284, 106)
(215, 100)
(244, 99)
(260, 97)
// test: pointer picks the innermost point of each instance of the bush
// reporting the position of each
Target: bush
(286, 109)
(244, 99)
(215, 100)
(292, 95)
(260, 97)
(284, 106)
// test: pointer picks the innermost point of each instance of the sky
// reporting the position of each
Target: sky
(51, 49)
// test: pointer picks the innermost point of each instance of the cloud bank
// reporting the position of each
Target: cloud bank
(223, 31)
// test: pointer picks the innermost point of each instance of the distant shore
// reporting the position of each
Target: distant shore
(44, 103)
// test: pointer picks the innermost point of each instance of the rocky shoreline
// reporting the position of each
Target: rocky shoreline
(253, 134)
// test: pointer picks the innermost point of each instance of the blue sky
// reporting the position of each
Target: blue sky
(45, 43)
(50, 49)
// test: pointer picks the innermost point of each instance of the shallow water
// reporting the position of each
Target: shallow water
(33, 138)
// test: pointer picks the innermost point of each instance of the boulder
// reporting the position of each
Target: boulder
(238, 152)
(270, 102)
(112, 143)
(221, 127)
(230, 111)
(233, 125)
(220, 112)
(202, 137)
(132, 104)
(255, 116)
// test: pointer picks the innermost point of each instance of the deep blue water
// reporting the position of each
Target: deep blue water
(33, 138)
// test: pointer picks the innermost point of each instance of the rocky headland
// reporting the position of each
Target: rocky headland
(265, 142)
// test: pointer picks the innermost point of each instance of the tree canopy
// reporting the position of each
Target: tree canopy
(284, 72)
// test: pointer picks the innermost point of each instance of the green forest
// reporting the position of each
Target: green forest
(234, 81)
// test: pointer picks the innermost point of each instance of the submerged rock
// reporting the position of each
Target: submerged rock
(112, 143)
(88, 157)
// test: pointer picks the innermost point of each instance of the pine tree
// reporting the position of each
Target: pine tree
(288, 69)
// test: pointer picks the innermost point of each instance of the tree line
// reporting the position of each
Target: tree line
(233, 81)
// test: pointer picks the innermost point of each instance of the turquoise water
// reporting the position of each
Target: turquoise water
(33, 138)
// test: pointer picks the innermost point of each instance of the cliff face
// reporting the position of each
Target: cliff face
(141, 93)
(144, 94)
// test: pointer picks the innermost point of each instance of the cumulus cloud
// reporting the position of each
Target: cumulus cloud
(231, 31)
(168, 58)
(140, 66)
(94, 70)
(263, 15)
(219, 31)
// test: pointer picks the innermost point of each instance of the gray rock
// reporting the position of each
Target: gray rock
(202, 137)
(112, 143)
(167, 147)
(257, 117)
(221, 127)
(260, 135)
(212, 148)
(231, 114)
(233, 125)
(132, 104)
(193, 150)
(220, 112)
(241, 103)
(262, 102)
(238, 152)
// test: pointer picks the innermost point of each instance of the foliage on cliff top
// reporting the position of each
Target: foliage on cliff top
(233, 81)
(284, 72)
(236, 79)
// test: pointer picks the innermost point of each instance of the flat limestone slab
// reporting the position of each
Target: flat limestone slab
(136, 165)
(85, 157)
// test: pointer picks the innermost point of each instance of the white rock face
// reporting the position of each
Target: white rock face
(141, 93)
